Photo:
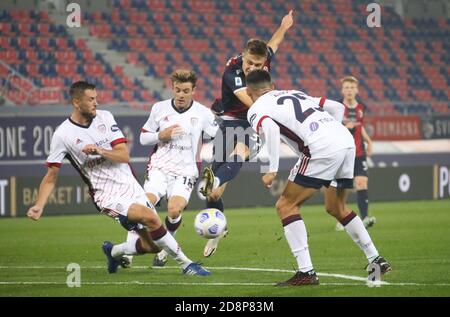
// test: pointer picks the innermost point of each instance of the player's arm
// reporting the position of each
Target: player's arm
(118, 154)
(278, 36)
(272, 139)
(334, 108)
(367, 139)
(244, 97)
(45, 189)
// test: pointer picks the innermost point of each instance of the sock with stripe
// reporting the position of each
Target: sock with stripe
(173, 224)
(168, 243)
(356, 230)
(295, 233)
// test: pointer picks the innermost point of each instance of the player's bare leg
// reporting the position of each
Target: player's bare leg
(173, 220)
(288, 205)
(336, 205)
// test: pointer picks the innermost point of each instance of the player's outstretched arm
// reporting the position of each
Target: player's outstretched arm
(45, 189)
(118, 153)
(272, 138)
(278, 36)
(244, 97)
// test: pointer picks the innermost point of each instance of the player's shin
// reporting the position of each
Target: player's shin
(356, 230)
(168, 243)
(295, 233)
(172, 224)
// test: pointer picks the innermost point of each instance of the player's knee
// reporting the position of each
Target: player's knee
(174, 211)
(283, 207)
(361, 183)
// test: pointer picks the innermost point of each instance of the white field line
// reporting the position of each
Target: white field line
(342, 276)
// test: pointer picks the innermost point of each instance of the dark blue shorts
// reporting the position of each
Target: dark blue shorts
(361, 168)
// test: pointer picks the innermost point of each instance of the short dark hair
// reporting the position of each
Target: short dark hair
(184, 76)
(258, 78)
(256, 47)
(77, 89)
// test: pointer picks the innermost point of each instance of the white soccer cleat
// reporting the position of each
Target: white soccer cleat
(211, 245)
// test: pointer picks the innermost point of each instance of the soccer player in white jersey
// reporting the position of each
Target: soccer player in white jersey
(93, 143)
(175, 127)
(327, 153)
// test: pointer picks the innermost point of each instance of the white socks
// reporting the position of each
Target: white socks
(128, 247)
(356, 230)
(168, 243)
(296, 236)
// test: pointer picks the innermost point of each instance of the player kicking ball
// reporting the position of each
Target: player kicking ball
(95, 146)
(327, 152)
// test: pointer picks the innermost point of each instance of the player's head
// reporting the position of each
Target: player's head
(254, 55)
(349, 87)
(84, 98)
(183, 87)
(258, 83)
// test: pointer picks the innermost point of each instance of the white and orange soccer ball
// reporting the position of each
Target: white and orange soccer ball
(210, 223)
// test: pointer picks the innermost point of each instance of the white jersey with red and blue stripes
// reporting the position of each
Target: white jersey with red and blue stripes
(107, 180)
(303, 121)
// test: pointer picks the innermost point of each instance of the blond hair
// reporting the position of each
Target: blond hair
(349, 79)
(184, 76)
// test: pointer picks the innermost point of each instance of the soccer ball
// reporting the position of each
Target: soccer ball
(210, 223)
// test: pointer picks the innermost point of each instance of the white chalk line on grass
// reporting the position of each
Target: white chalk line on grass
(341, 276)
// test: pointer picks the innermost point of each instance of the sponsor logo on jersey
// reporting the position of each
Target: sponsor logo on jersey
(101, 128)
(238, 81)
(114, 128)
(78, 141)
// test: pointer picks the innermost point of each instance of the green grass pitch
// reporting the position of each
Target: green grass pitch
(413, 236)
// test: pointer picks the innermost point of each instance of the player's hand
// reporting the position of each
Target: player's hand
(288, 20)
(268, 179)
(170, 133)
(91, 149)
(35, 212)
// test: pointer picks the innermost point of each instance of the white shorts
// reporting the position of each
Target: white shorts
(161, 184)
(318, 172)
(120, 205)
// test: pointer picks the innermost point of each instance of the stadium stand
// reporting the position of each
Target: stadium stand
(403, 66)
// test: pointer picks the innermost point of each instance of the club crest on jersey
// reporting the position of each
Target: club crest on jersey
(78, 141)
(194, 121)
(101, 128)
(313, 126)
(238, 81)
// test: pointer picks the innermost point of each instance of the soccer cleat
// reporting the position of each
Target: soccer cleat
(125, 261)
(211, 245)
(208, 178)
(385, 266)
(369, 221)
(196, 269)
(301, 278)
(160, 258)
(112, 263)
(339, 227)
